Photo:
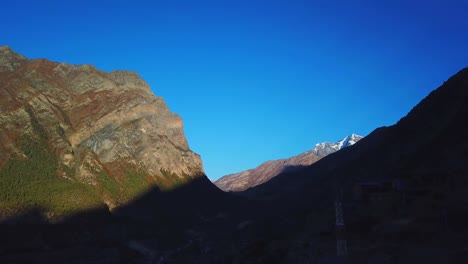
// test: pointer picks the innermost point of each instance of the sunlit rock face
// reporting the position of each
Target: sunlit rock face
(95, 124)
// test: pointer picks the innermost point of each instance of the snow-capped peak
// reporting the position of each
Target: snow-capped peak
(326, 148)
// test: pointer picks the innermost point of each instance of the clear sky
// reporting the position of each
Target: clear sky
(258, 80)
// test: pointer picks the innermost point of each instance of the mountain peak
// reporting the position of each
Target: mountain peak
(326, 148)
(9, 59)
(352, 139)
(6, 48)
(267, 170)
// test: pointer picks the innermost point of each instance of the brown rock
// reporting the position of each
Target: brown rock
(264, 172)
(95, 122)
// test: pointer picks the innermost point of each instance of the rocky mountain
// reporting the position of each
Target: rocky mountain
(75, 137)
(250, 178)
(401, 189)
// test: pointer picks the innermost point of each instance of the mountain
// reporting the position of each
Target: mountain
(402, 188)
(429, 139)
(326, 148)
(73, 137)
(264, 172)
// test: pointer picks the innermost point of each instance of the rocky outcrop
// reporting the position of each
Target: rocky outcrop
(250, 178)
(10, 60)
(96, 124)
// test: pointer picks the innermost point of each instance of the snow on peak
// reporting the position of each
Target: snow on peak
(326, 148)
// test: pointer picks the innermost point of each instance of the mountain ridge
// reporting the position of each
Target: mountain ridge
(416, 214)
(262, 173)
(402, 188)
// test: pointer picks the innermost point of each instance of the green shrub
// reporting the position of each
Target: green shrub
(33, 182)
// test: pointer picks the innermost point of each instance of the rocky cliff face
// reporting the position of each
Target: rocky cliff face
(250, 178)
(106, 131)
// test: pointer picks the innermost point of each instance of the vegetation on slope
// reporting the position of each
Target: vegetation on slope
(33, 183)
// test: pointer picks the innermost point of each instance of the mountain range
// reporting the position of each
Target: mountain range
(94, 168)
(402, 187)
(264, 172)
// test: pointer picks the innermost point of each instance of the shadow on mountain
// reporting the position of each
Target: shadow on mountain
(292, 168)
(284, 170)
(156, 220)
(196, 223)
(403, 187)
(402, 190)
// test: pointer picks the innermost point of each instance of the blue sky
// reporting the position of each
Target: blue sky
(258, 80)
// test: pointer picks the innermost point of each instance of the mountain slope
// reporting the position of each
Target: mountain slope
(289, 219)
(74, 137)
(413, 176)
(403, 147)
(264, 172)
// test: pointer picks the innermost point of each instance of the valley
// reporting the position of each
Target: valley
(94, 168)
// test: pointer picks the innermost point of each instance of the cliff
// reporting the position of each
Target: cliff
(73, 136)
